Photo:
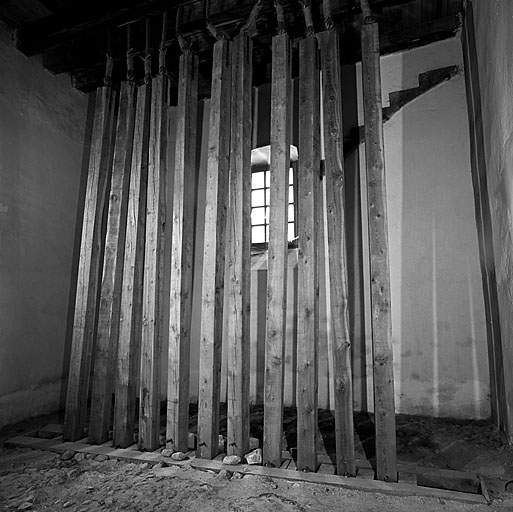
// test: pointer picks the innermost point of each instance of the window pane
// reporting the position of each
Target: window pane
(291, 194)
(291, 213)
(291, 176)
(291, 231)
(257, 216)
(258, 235)
(257, 198)
(267, 196)
(258, 180)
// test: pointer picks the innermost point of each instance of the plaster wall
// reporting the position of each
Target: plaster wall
(494, 39)
(42, 121)
(438, 323)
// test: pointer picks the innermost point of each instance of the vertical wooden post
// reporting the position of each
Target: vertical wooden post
(182, 255)
(336, 245)
(218, 162)
(110, 300)
(131, 292)
(381, 321)
(239, 257)
(277, 251)
(152, 314)
(308, 279)
(91, 252)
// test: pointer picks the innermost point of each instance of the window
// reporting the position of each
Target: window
(260, 196)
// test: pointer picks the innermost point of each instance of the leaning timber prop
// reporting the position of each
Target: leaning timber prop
(239, 236)
(216, 203)
(104, 379)
(308, 220)
(336, 244)
(128, 337)
(381, 321)
(152, 299)
(182, 248)
(278, 245)
(91, 259)
(149, 405)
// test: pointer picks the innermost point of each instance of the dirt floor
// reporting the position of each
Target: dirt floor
(37, 480)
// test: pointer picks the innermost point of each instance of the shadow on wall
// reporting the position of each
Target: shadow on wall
(438, 311)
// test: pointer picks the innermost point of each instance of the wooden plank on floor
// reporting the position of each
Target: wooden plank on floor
(406, 477)
(132, 455)
(51, 428)
(308, 279)
(360, 484)
(89, 269)
(216, 202)
(327, 469)
(239, 256)
(381, 317)
(277, 251)
(131, 292)
(336, 244)
(182, 255)
(110, 299)
(153, 281)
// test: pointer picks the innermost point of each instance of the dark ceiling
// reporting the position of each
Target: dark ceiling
(74, 36)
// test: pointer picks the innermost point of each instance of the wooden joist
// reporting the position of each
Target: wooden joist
(216, 202)
(110, 300)
(381, 317)
(131, 294)
(182, 255)
(277, 251)
(336, 251)
(89, 273)
(239, 256)
(308, 279)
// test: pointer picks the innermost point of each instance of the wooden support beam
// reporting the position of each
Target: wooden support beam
(182, 255)
(308, 278)
(498, 378)
(131, 295)
(277, 251)
(239, 250)
(152, 299)
(91, 254)
(218, 166)
(336, 245)
(110, 300)
(381, 321)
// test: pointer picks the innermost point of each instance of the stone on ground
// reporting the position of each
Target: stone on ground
(254, 457)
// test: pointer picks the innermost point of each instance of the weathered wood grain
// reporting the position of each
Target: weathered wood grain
(182, 255)
(131, 292)
(152, 314)
(308, 279)
(89, 273)
(381, 317)
(336, 228)
(239, 257)
(216, 202)
(277, 251)
(110, 299)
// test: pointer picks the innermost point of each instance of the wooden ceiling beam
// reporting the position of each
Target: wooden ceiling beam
(54, 31)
